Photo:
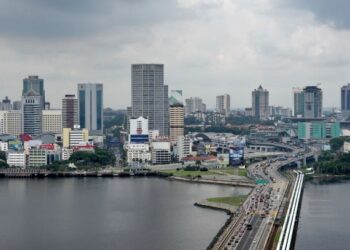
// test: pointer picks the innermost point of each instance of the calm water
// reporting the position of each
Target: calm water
(325, 216)
(95, 213)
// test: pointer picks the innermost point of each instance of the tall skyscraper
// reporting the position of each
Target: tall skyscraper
(177, 123)
(33, 102)
(70, 111)
(34, 86)
(194, 104)
(223, 104)
(312, 102)
(32, 114)
(90, 97)
(345, 98)
(298, 102)
(149, 96)
(260, 103)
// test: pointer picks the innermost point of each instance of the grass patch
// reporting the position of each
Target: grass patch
(231, 200)
(183, 173)
(234, 171)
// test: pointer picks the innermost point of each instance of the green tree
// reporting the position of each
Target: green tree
(3, 155)
(337, 143)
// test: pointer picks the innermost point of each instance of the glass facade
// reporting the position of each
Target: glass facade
(82, 108)
(99, 109)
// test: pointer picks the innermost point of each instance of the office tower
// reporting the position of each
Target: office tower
(345, 98)
(223, 104)
(17, 105)
(32, 115)
(312, 102)
(149, 96)
(34, 86)
(176, 119)
(298, 102)
(11, 122)
(176, 97)
(6, 104)
(260, 103)
(194, 104)
(90, 97)
(52, 121)
(70, 111)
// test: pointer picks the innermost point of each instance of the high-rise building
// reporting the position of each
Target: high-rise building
(176, 97)
(52, 121)
(34, 86)
(6, 104)
(223, 104)
(184, 146)
(345, 98)
(260, 103)
(11, 122)
(90, 97)
(194, 104)
(312, 102)
(70, 111)
(17, 105)
(149, 96)
(32, 115)
(298, 102)
(176, 119)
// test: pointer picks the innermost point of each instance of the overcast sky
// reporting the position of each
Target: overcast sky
(209, 47)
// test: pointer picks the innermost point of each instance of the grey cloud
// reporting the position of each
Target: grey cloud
(67, 18)
(335, 12)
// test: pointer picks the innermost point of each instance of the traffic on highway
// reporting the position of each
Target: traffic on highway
(254, 220)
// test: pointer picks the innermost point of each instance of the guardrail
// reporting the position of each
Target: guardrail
(285, 239)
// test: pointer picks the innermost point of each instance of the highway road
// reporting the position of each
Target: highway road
(254, 221)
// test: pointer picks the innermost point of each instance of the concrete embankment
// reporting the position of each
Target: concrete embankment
(216, 206)
(216, 182)
(32, 173)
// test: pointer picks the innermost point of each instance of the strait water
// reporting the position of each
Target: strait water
(96, 213)
(325, 216)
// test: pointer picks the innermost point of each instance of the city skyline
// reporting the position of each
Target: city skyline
(258, 45)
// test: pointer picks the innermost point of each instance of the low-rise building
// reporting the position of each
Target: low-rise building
(161, 153)
(75, 137)
(4, 146)
(16, 159)
(66, 153)
(138, 152)
(37, 157)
